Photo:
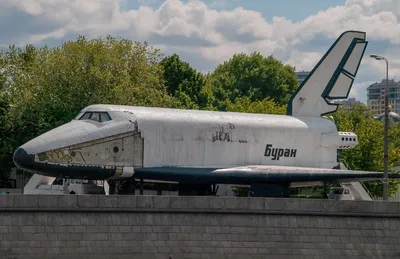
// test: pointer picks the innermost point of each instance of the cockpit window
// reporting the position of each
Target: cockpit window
(104, 116)
(96, 116)
(86, 116)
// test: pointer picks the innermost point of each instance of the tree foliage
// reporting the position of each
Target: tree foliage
(48, 87)
(6, 147)
(266, 106)
(254, 76)
(368, 154)
(63, 80)
(190, 88)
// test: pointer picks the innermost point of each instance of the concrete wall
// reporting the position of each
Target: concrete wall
(10, 190)
(74, 226)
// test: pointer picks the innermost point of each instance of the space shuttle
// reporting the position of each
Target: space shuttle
(198, 149)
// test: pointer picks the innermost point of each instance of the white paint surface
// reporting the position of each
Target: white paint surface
(159, 137)
(184, 138)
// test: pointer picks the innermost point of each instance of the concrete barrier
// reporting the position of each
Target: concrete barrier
(71, 226)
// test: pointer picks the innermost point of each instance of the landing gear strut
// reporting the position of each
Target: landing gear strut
(122, 187)
(325, 191)
(214, 189)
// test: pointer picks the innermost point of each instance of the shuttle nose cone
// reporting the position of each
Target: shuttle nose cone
(23, 160)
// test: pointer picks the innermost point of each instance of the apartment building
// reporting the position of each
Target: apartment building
(347, 102)
(376, 96)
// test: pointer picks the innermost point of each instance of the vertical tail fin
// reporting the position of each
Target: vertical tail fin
(332, 78)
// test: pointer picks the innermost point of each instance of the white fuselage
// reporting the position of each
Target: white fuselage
(221, 139)
(169, 143)
(159, 137)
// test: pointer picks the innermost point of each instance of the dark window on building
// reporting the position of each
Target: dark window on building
(372, 91)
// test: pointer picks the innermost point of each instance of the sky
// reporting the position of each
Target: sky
(206, 33)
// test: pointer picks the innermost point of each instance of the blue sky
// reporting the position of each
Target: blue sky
(206, 33)
(295, 10)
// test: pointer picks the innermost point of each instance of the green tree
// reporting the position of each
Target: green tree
(266, 106)
(187, 85)
(48, 87)
(5, 142)
(254, 76)
(6, 139)
(64, 80)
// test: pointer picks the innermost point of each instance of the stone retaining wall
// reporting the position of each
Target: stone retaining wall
(85, 226)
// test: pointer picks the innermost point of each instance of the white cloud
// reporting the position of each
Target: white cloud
(359, 90)
(212, 35)
(219, 3)
(147, 2)
(304, 60)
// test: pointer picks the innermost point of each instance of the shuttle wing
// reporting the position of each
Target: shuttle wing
(284, 174)
(257, 174)
(332, 78)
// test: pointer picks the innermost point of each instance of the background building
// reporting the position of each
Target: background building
(376, 96)
(347, 102)
(301, 76)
